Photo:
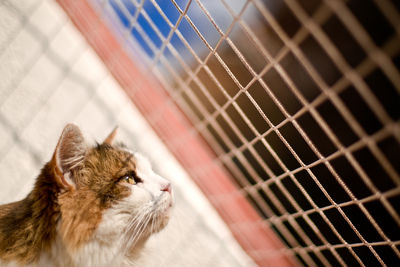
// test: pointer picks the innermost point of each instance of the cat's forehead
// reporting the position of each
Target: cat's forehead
(113, 157)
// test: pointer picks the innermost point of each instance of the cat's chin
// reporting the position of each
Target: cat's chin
(164, 215)
(155, 225)
(164, 219)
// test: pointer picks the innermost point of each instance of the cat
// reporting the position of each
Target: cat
(90, 206)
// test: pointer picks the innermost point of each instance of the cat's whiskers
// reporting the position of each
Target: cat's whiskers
(152, 224)
(141, 229)
(134, 221)
(125, 239)
(131, 241)
(135, 225)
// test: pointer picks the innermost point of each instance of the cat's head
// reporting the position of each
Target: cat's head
(106, 192)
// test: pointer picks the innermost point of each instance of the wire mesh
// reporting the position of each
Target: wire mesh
(300, 102)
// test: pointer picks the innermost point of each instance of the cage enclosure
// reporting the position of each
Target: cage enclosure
(284, 112)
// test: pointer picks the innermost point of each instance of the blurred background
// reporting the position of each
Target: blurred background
(276, 120)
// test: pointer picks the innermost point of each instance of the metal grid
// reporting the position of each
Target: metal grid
(50, 76)
(300, 101)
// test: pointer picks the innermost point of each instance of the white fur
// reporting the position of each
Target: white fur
(110, 244)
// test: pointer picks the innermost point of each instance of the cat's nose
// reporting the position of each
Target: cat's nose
(166, 188)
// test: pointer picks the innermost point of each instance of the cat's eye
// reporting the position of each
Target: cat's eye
(131, 178)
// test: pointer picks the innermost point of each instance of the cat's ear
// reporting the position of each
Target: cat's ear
(69, 154)
(110, 138)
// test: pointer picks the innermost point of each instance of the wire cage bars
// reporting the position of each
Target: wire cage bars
(299, 101)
